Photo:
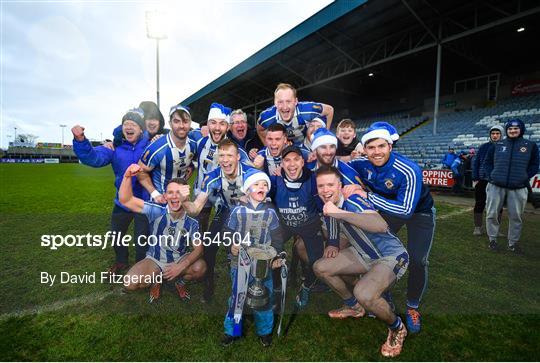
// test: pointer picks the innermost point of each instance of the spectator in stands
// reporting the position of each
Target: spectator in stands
(449, 158)
(242, 134)
(125, 154)
(509, 165)
(480, 179)
(292, 114)
(347, 140)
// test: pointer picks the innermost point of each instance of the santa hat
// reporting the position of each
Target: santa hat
(220, 112)
(391, 129)
(380, 130)
(253, 176)
(323, 137)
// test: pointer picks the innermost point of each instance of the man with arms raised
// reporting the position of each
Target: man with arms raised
(375, 259)
(223, 186)
(174, 231)
(170, 156)
(292, 114)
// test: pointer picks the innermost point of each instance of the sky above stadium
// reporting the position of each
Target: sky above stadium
(87, 62)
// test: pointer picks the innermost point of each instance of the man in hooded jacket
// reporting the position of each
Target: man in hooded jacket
(509, 165)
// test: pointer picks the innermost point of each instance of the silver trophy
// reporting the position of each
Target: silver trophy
(261, 256)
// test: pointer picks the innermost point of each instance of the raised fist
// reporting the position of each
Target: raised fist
(132, 170)
(184, 192)
(78, 132)
(330, 209)
(253, 153)
(258, 162)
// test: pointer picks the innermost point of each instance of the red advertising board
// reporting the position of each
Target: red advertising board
(526, 87)
(535, 183)
(438, 178)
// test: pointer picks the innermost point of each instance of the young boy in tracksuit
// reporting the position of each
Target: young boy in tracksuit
(258, 222)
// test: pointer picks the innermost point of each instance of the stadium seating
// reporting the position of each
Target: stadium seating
(402, 121)
(468, 128)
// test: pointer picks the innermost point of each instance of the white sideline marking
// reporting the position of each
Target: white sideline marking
(456, 213)
(58, 305)
(96, 297)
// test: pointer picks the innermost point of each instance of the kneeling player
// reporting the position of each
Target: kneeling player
(173, 230)
(258, 221)
(375, 253)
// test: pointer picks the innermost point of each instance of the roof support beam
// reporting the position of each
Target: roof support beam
(428, 29)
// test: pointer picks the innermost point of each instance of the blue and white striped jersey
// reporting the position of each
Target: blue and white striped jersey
(222, 191)
(348, 174)
(167, 161)
(207, 159)
(370, 246)
(297, 126)
(257, 222)
(397, 186)
(168, 249)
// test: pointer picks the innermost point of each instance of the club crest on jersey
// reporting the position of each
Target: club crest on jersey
(389, 183)
(171, 230)
(145, 156)
(523, 149)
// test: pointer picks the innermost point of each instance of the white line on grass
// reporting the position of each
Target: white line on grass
(96, 297)
(58, 305)
(456, 213)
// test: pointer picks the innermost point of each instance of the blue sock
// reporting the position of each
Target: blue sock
(412, 304)
(396, 324)
(350, 301)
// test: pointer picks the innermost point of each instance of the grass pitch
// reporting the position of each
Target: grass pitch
(479, 305)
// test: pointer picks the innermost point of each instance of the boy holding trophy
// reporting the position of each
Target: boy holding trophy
(256, 242)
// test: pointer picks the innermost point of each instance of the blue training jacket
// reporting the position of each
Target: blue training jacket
(120, 159)
(397, 186)
(510, 163)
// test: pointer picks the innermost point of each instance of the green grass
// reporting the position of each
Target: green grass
(479, 305)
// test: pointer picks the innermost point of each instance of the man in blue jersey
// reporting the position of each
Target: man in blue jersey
(324, 144)
(174, 233)
(398, 192)
(374, 260)
(207, 159)
(292, 114)
(294, 194)
(268, 158)
(171, 156)
(223, 187)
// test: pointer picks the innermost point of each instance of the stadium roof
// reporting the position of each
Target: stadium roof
(332, 47)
